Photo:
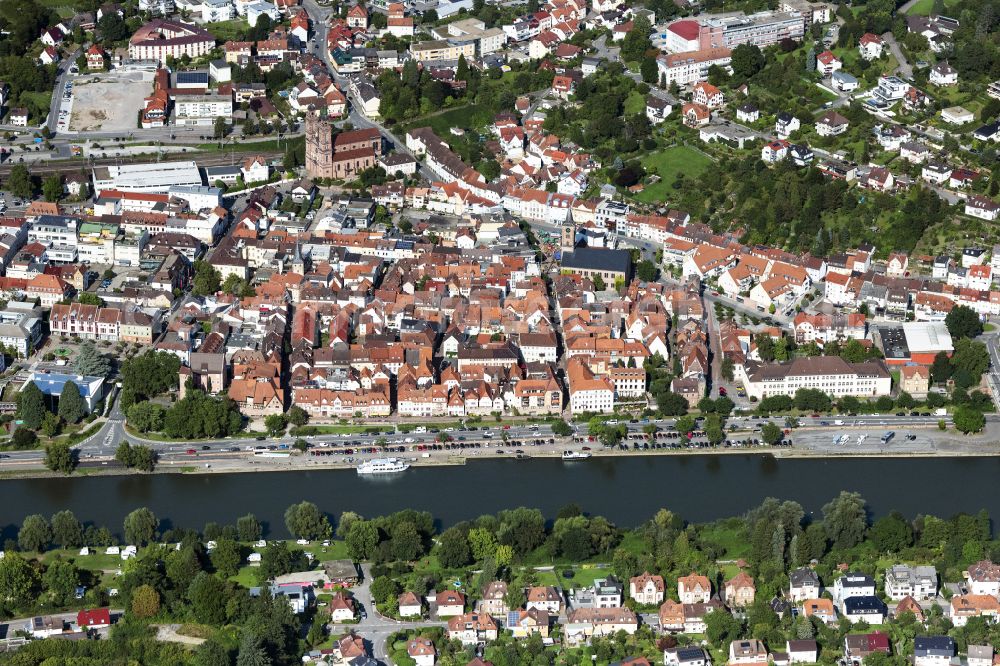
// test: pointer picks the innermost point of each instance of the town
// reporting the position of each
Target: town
(767, 588)
(314, 235)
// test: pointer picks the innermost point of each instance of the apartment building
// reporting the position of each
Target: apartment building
(830, 374)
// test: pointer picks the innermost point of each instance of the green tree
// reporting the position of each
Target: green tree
(248, 528)
(306, 521)
(453, 549)
(406, 543)
(561, 428)
(362, 539)
(297, 416)
(67, 532)
(891, 533)
(59, 457)
(220, 128)
(145, 601)
(24, 439)
(968, 419)
(646, 270)
(140, 526)
(207, 279)
(52, 188)
(278, 560)
(19, 182)
(31, 406)
(90, 362)
(212, 653)
(35, 534)
(963, 322)
(636, 42)
(18, 580)
(649, 70)
(61, 578)
(275, 424)
(72, 408)
(747, 60)
(771, 433)
(208, 596)
(845, 520)
(146, 416)
(226, 557)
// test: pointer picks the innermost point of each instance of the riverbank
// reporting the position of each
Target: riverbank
(817, 443)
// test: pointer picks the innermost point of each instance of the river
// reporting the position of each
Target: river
(627, 490)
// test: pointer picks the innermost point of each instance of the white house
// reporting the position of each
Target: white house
(943, 74)
(254, 170)
(870, 46)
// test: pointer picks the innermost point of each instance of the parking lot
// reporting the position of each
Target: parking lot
(65, 107)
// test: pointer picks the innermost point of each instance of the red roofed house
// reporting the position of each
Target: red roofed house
(870, 46)
(695, 115)
(48, 289)
(647, 589)
(95, 58)
(707, 95)
(562, 86)
(357, 17)
(96, 618)
(827, 63)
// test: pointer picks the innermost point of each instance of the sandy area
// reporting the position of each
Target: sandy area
(109, 102)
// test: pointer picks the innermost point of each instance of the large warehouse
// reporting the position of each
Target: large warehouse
(913, 342)
(157, 177)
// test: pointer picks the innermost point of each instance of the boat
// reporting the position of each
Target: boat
(575, 455)
(383, 466)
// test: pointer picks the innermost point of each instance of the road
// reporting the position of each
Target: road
(375, 627)
(904, 69)
(57, 90)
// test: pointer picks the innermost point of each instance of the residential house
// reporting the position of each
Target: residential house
(740, 591)
(647, 589)
(694, 588)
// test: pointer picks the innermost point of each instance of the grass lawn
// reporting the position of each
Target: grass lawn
(925, 7)
(41, 100)
(468, 117)
(729, 536)
(667, 163)
(582, 576)
(61, 7)
(227, 30)
(635, 103)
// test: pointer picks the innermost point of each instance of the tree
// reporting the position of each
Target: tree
(248, 528)
(968, 419)
(406, 543)
(212, 653)
(140, 526)
(941, 368)
(220, 127)
(18, 580)
(252, 653)
(278, 560)
(72, 408)
(453, 549)
(845, 519)
(970, 357)
(67, 532)
(275, 424)
(226, 557)
(146, 416)
(59, 457)
(52, 188)
(671, 404)
(385, 588)
(646, 270)
(891, 533)
(31, 406)
(24, 439)
(19, 182)
(35, 534)
(208, 596)
(145, 601)
(649, 70)
(207, 279)
(362, 539)
(771, 433)
(61, 578)
(747, 60)
(728, 369)
(306, 521)
(561, 428)
(721, 628)
(636, 42)
(90, 362)
(297, 416)
(963, 322)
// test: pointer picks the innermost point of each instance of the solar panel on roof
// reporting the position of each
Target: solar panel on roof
(512, 618)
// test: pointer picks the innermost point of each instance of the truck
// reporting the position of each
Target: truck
(941, 411)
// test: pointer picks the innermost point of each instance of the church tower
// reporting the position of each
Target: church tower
(319, 146)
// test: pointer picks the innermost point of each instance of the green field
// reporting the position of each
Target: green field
(926, 7)
(667, 163)
(468, 117)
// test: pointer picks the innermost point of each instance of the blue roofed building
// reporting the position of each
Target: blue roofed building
(51, 385)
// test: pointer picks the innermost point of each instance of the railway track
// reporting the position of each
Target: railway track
(75, 165)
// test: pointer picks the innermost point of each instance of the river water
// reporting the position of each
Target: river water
(627, 490)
